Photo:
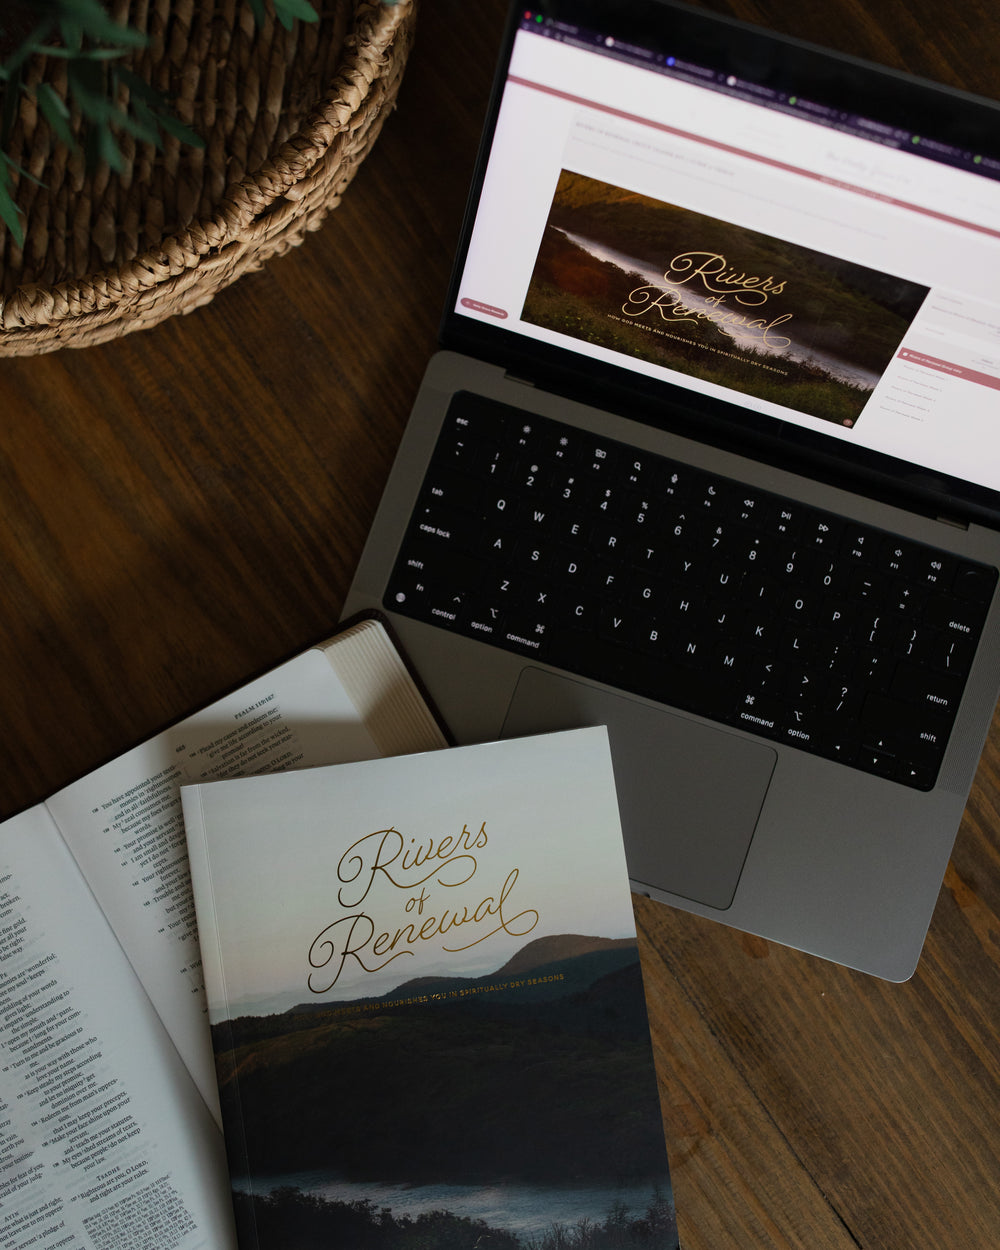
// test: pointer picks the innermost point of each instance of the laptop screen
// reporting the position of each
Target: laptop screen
(754, 244)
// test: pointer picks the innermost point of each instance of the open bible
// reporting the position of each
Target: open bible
(109, 1119)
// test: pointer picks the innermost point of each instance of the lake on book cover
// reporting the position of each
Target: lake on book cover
(527, 1211)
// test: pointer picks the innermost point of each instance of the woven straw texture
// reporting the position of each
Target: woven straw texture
(286, 116)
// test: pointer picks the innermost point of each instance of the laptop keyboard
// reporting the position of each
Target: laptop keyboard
(694, 590)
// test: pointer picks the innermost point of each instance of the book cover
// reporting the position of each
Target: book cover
(426, 1002)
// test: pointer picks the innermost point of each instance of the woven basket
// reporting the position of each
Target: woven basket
(286, 116)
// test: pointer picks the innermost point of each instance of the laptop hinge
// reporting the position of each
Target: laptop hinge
(954, 522)
(512, 377)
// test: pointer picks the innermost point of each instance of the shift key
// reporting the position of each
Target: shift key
(892, 727)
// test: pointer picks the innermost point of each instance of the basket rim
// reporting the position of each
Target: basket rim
(365, 59)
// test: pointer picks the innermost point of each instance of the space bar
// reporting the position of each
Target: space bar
(673, 684)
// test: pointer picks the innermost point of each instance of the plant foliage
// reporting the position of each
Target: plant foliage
(111, 101)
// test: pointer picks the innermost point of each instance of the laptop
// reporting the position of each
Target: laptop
(710, 455)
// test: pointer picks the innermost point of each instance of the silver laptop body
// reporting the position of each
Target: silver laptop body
(670, 212)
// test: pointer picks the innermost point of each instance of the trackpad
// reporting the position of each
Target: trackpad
(689, 795)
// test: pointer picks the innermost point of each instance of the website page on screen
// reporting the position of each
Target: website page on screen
(744, 251)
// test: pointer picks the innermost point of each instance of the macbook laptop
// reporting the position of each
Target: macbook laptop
(710, 455)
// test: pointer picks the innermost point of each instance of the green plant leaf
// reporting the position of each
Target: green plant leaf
(55, 112)
(107, 148)
(11, 99)
(138, 86)
(169, 123)
(141, 124)
(89, 19)
(89, 91)
(9, 211)
(151, 112)
(34, 43)
(84, 35)
(287, 11)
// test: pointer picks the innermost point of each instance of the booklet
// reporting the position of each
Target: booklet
(109, 1118)
(427, 1005)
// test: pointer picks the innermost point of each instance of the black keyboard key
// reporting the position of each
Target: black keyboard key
(906, 599)
(959, 617)
(527, 633)
(891, 727)
(948, 652)
(926, 689)
(860, 545)
(822, 534)
(422, 574)
(451, 488)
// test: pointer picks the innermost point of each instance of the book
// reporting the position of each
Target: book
(110, 1131)
(427, 1005)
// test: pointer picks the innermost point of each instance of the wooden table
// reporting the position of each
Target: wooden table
(184, 507)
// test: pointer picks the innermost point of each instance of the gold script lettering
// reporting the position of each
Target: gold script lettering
(671, 308)
(714, 274)
(359, 933)
(348, 939)
(375, 853)
(710, 272)
(490, 908)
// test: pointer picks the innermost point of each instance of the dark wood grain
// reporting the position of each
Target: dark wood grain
(183, 508)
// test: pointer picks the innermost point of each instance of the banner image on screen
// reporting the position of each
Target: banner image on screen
(715, 301)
